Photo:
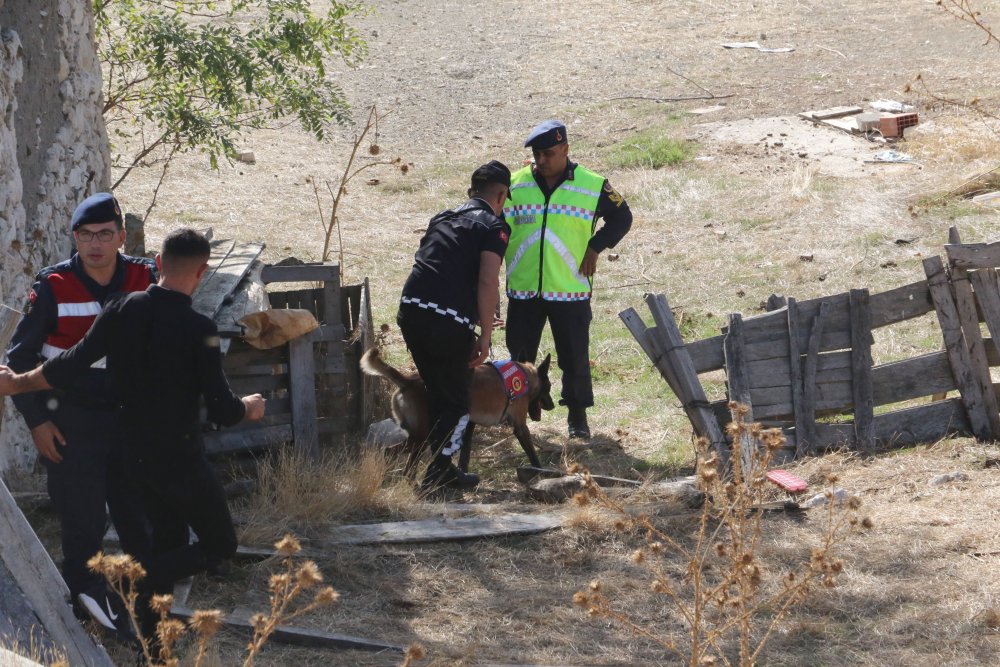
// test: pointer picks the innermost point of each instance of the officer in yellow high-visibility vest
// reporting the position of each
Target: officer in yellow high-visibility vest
(552, 257)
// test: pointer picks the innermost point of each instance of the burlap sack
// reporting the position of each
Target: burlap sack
(271, 328)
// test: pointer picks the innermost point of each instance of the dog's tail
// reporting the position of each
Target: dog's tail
(372, 364)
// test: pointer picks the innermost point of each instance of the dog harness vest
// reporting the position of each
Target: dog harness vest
(515, 382)
(549, 235)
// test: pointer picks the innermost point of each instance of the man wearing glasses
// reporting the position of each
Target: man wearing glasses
(76, 431)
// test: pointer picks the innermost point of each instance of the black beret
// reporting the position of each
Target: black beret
(96, 209)
(546, 135)
(493, 171)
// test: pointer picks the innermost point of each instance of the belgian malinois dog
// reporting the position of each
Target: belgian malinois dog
(489, 405)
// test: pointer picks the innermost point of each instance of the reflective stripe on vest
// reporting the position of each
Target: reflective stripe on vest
(549, 239)
(77, 308)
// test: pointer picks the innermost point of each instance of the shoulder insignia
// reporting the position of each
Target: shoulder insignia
(505, 237)
(613, 195)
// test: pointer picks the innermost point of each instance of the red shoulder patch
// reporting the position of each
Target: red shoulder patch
(505, 237)
(32, 295)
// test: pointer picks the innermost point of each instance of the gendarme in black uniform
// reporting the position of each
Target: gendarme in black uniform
(63, 303)
(439, 310)
(163, 357)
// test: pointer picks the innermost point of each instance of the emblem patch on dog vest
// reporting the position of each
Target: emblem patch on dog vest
(515, 382)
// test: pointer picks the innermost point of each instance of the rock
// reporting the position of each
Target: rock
(383, 434)
(682, 491)
(557, 489)
(948, 477)
(246, 157)
(839, 497)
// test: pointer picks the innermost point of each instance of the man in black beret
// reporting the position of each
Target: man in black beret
(75, 429)
(552, 257)
(452, 288)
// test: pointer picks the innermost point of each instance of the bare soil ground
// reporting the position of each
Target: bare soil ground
(464, 83)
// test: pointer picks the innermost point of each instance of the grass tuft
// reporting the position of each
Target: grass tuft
(651, 150)
(297, 495)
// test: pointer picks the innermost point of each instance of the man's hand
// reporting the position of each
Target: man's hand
(6, 381)
(480, 352)
(46, 437)
(254, 407)
(498, 323)
(589, 264)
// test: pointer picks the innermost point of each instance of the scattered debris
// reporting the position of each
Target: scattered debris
(988, 198)
(894, 125)
(891, 106)
(837, 496)
(891, 157)
(758, 47)
(945, 478)
(700, 111)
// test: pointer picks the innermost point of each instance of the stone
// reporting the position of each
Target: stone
(949, 477)
(557, 489)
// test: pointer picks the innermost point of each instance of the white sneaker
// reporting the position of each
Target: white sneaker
(103, 610)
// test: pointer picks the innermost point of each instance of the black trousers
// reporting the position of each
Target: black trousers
(570, 323)
(441, 348)
(91, 475)
(175, 497)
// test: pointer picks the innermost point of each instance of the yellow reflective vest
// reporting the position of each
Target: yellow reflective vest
(549, 237)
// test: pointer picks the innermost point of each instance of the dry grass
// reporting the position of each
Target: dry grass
(301, 496)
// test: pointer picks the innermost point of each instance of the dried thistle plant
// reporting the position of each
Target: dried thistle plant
(285, 588)
(715, 583)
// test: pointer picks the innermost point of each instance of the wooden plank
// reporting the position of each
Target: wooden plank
(445, 529)
(248, 297)
(777, 372)
(302, 370)
(988, 296)
(861, 365)
(647, 337)
(287, 634)
(705, 423)
(303, 273)
(958, 354)
(228, 442)
(223, 275)
(969, 319)
(891, 383)
(809, 376)
(42, 586)
(833, 112)
(331, 299)
(971, 256)
(739, 394)
(896, 305)
(250, 384)
(795, 370)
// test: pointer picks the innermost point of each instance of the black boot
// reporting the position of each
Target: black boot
(577, 422)
(442, 473)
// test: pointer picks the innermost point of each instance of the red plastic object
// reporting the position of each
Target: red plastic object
(787, 481)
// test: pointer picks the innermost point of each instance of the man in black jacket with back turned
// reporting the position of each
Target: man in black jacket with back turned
(163, 357)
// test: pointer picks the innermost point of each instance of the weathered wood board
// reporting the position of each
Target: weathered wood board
(42, 587)
(286, 634)
(229, 264)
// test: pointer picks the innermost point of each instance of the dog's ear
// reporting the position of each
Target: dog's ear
(543, 368)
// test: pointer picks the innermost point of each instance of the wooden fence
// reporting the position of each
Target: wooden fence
(807, 367)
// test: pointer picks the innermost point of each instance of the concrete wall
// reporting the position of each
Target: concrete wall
(53, 151)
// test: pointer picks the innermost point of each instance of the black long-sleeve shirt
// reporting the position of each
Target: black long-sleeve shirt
(163, 357)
